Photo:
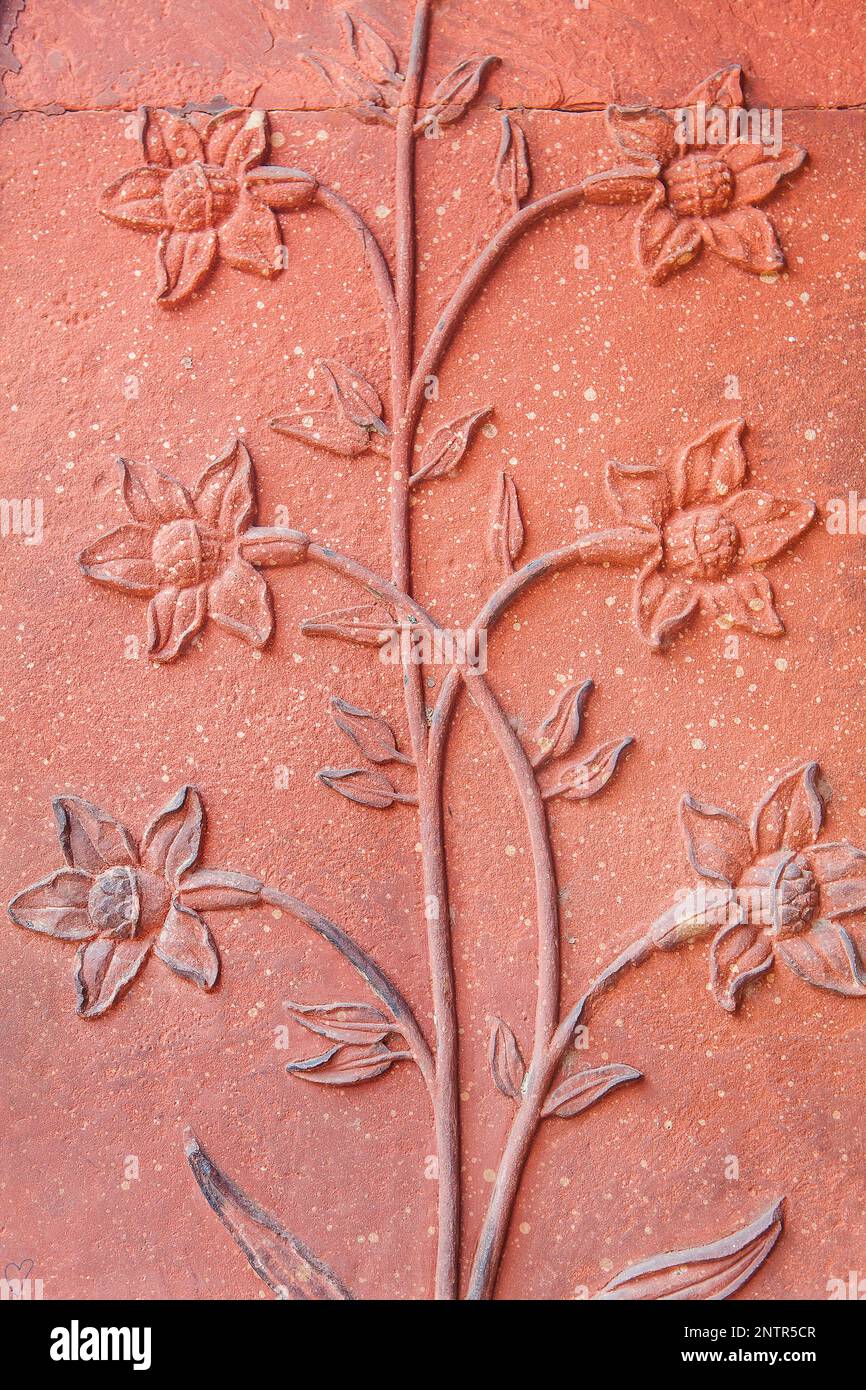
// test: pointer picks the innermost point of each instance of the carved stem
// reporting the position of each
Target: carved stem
(494, 1232)
(365, 966)
(375, 259)
(431, 830)
(472, 282)
(547, 906)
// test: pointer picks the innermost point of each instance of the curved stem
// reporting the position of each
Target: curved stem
(374, 257)
(366, 967)
(547, 904)
(471, 283)
(494, 1232)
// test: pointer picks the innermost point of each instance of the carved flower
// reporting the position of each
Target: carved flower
(789, 889)
(693, 195)
(203, 190)
(194, 553)
(120, 900)
(712, 534)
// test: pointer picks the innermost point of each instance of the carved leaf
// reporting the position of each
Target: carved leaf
(706, 1272)
(346, 426)
(506, 528)
(717, 842)
(343, 1023)
(372, 734)
(557, 733)
(506, 1061)
(580, 778)
(369, 624)
(288, 1268)
(353, 87)
(347, 1064)
(355, 397)
(375, 57)
(711, 467)
(455, 93)
(360, 785)
(447, 445)
(512, 175)
(171, 840)
(585, 1088)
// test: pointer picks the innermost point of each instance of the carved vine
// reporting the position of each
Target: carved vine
(695, 535)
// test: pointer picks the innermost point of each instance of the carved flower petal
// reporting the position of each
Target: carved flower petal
(174, 616)
(745, 236)
(791, 813)
(183, 259)
(662, 606)
(172, 838)
(239, 599)
(827, 957)
(739, 953)
(153, 497)
(168, 140)
(663, 244)
(104, 969)
(121, 559)
(56, 905)
(717, 842)
(135, 199)
(723, 88)
(250, 239)
(186, 945)
(615, 187)
(640, 492)
(237, 139)
(767, 524)
(747, 602)
(90, 838)
(224, 493)
(710, 467)
(642, 130)
(840, 869)
(755, 181)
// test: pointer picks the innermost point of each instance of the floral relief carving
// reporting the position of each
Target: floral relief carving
(193, 552)
(121, 899)
(713, 534)
(204, 189)
(693, 195)
(788, 888)
(696, 536)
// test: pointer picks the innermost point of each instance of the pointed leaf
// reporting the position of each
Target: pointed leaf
(187, 947)
(169, 141)
(557, 733)
(585, 1088)
(370, 732)
(580, 778)
(506, 1060)
(360, 785)
(347, 1065)
(343, 1023)
(711, 467)
(512, 176)
(447, 445)
(288, 1268)
(374, 55)
(356, 399)
(56, 905)
(455, 93)
(506, 533)
(706, 1272)
(368, 624)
